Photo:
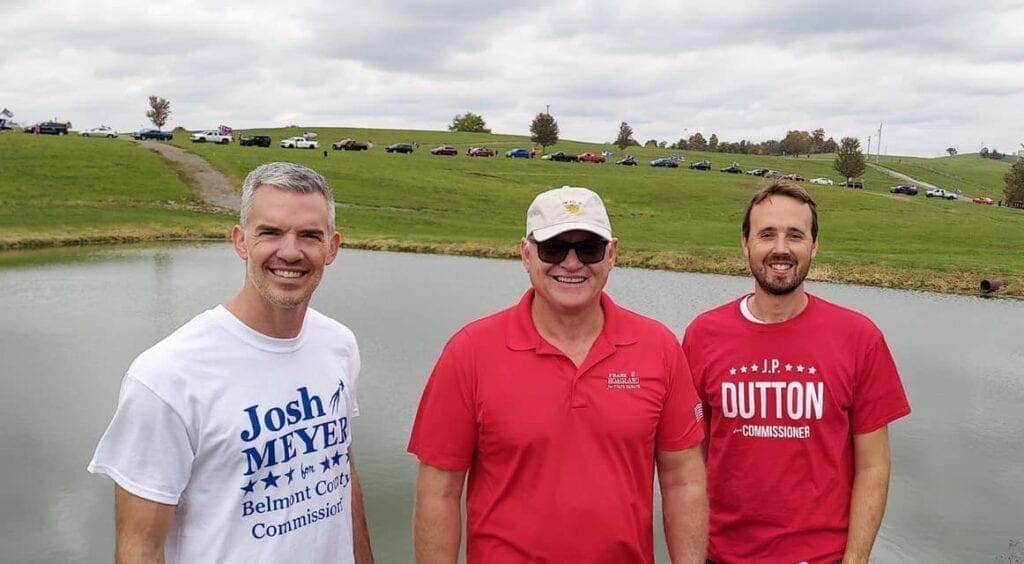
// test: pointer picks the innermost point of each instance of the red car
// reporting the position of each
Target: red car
(481, 152)
(591, 158)
(794, 176)
(446, 150)
(984, 200)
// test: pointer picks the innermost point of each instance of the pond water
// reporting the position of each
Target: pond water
(68, 331)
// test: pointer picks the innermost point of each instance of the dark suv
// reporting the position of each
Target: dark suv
(701, 165)
(400, 148)
(254, 141)
(49, 128)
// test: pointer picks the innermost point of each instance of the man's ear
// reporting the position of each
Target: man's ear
(524, 253)
(332, 247)
(743, 243)
(238, 241)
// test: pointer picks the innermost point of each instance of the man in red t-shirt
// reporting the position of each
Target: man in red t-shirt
(797, 394)
(558, 409)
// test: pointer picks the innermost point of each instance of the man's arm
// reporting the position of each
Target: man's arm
(360, 532)
(437, 518)
(870, 490)
(142, 527)
(684, 504)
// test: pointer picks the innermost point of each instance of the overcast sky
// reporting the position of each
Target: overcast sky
(935, 73)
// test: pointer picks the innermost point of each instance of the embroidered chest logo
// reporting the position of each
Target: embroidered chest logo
(623, 380)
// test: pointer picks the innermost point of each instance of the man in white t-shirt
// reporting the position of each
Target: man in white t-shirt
(231, 440)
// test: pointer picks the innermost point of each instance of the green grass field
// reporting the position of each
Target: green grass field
(665, 218)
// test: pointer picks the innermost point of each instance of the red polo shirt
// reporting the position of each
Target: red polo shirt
(561, 459)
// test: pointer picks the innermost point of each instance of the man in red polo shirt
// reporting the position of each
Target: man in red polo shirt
(558, 408)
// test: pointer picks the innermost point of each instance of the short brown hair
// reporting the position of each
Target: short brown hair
(782, 189)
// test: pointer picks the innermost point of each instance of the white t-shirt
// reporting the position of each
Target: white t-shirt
(246, 434)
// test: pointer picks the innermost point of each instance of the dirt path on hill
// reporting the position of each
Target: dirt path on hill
(901, 176)
(211, 185)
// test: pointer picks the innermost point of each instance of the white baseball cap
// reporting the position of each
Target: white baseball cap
(567, 209)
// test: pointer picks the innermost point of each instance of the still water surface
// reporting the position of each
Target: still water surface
(69, 330)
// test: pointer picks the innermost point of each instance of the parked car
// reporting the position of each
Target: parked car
(757, 171)
(156, 134)
(349, 144)
(734, 168)
(852, 183)
(628, 160)
(49, 128)
(984, 200)
(101, 131)
(254, 141)
(400, 148)
(481, 152)
(793, 176)
(519, 153)
(822, 181)
(772, 174)
(940, 193)
(908, 189)
(670, 162)
(210, 136)
(591, 158)
(447, 150)
(298, 143)
(562, 156)
(701, 165)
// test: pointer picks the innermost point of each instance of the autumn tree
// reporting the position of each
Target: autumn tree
(544, 130)
(625, 138)
(713, 142)
(159, 111)
(796, 143)
(1014, 190)
(697, 142)
(850, 160)
(470, 123)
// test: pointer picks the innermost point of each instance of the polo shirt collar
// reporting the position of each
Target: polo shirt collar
(523, 335)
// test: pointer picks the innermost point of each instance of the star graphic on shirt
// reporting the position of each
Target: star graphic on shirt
(743, 369)
(326, 463)
(812, 370)
(248, 487)
(290, 474)
(336, 459)
(753, 368)
(270, 480)
(789, 368)
(732, 371)
(800, 368)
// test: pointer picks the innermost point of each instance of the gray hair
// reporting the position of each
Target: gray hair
(286, 176)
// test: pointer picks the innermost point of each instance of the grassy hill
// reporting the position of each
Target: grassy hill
(666, 218)
(975, 175)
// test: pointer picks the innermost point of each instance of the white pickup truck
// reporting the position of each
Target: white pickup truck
(940, 193)
(298, 143)
(210, 137)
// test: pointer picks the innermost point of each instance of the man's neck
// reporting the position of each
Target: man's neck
(572, 332)
(772, 308)
(270, 320)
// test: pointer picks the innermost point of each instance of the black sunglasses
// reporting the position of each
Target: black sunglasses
(588, 251)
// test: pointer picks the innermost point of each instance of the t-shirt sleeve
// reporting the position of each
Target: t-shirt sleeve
(444, 433)
(879, 397)
(354, 367)
(681, 424)
(696, 372)
(146, 448)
